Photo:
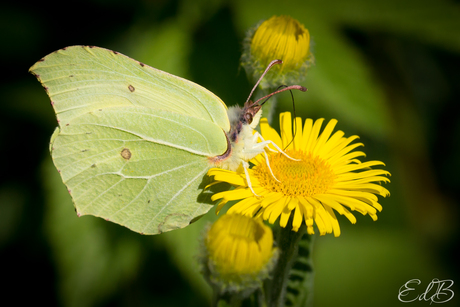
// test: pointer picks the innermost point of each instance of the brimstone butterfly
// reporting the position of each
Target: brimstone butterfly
(134, 143)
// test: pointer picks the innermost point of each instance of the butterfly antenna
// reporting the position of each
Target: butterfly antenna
(293, 111)
(266, 70)
(287, 88)
(280, 89)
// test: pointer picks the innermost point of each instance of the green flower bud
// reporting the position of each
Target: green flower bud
(238, 253)
(281, 38)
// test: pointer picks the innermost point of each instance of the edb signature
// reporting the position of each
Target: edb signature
(437, 291)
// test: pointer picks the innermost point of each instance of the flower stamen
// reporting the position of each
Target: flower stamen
(308, 176)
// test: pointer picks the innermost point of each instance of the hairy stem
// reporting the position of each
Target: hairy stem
(288, 241)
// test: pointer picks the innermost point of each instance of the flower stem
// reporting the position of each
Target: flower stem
(288, 241)
(300, 285)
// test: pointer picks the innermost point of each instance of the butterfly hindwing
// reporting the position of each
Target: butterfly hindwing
(133, 142)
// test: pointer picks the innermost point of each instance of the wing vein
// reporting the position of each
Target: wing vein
(156, 141)
(201, 174)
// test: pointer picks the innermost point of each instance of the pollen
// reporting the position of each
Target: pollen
(308, 177)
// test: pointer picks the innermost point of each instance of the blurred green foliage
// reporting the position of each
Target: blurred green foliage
(387, 70)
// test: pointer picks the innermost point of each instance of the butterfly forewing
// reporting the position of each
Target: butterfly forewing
(80, 79)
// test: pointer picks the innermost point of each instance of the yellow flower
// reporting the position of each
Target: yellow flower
(240, 252)
(328, 177)
(281, 38)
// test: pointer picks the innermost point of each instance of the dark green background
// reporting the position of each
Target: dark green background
(387, 70)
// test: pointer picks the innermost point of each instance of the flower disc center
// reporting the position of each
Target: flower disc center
(307, 177)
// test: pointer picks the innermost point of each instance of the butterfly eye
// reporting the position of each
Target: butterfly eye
(248, 117)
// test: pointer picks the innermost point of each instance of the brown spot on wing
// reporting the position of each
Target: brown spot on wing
(126, 154)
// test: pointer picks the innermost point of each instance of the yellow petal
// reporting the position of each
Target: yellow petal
(285, 217)
(268, 133)
(297, 220)
(298, 142)
(286, 129)
(334, 222)
(324, 135)
(314, 135)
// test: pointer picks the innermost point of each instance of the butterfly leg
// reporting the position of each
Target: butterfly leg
(268, 164)
(259, 148)
(257, 137)
(248, 179)
(264, 143)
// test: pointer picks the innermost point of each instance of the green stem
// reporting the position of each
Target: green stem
(237, 299)
(300, 285)
(288, 244)
(218, 299)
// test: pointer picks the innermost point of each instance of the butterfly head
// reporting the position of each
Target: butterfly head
(251, 114)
